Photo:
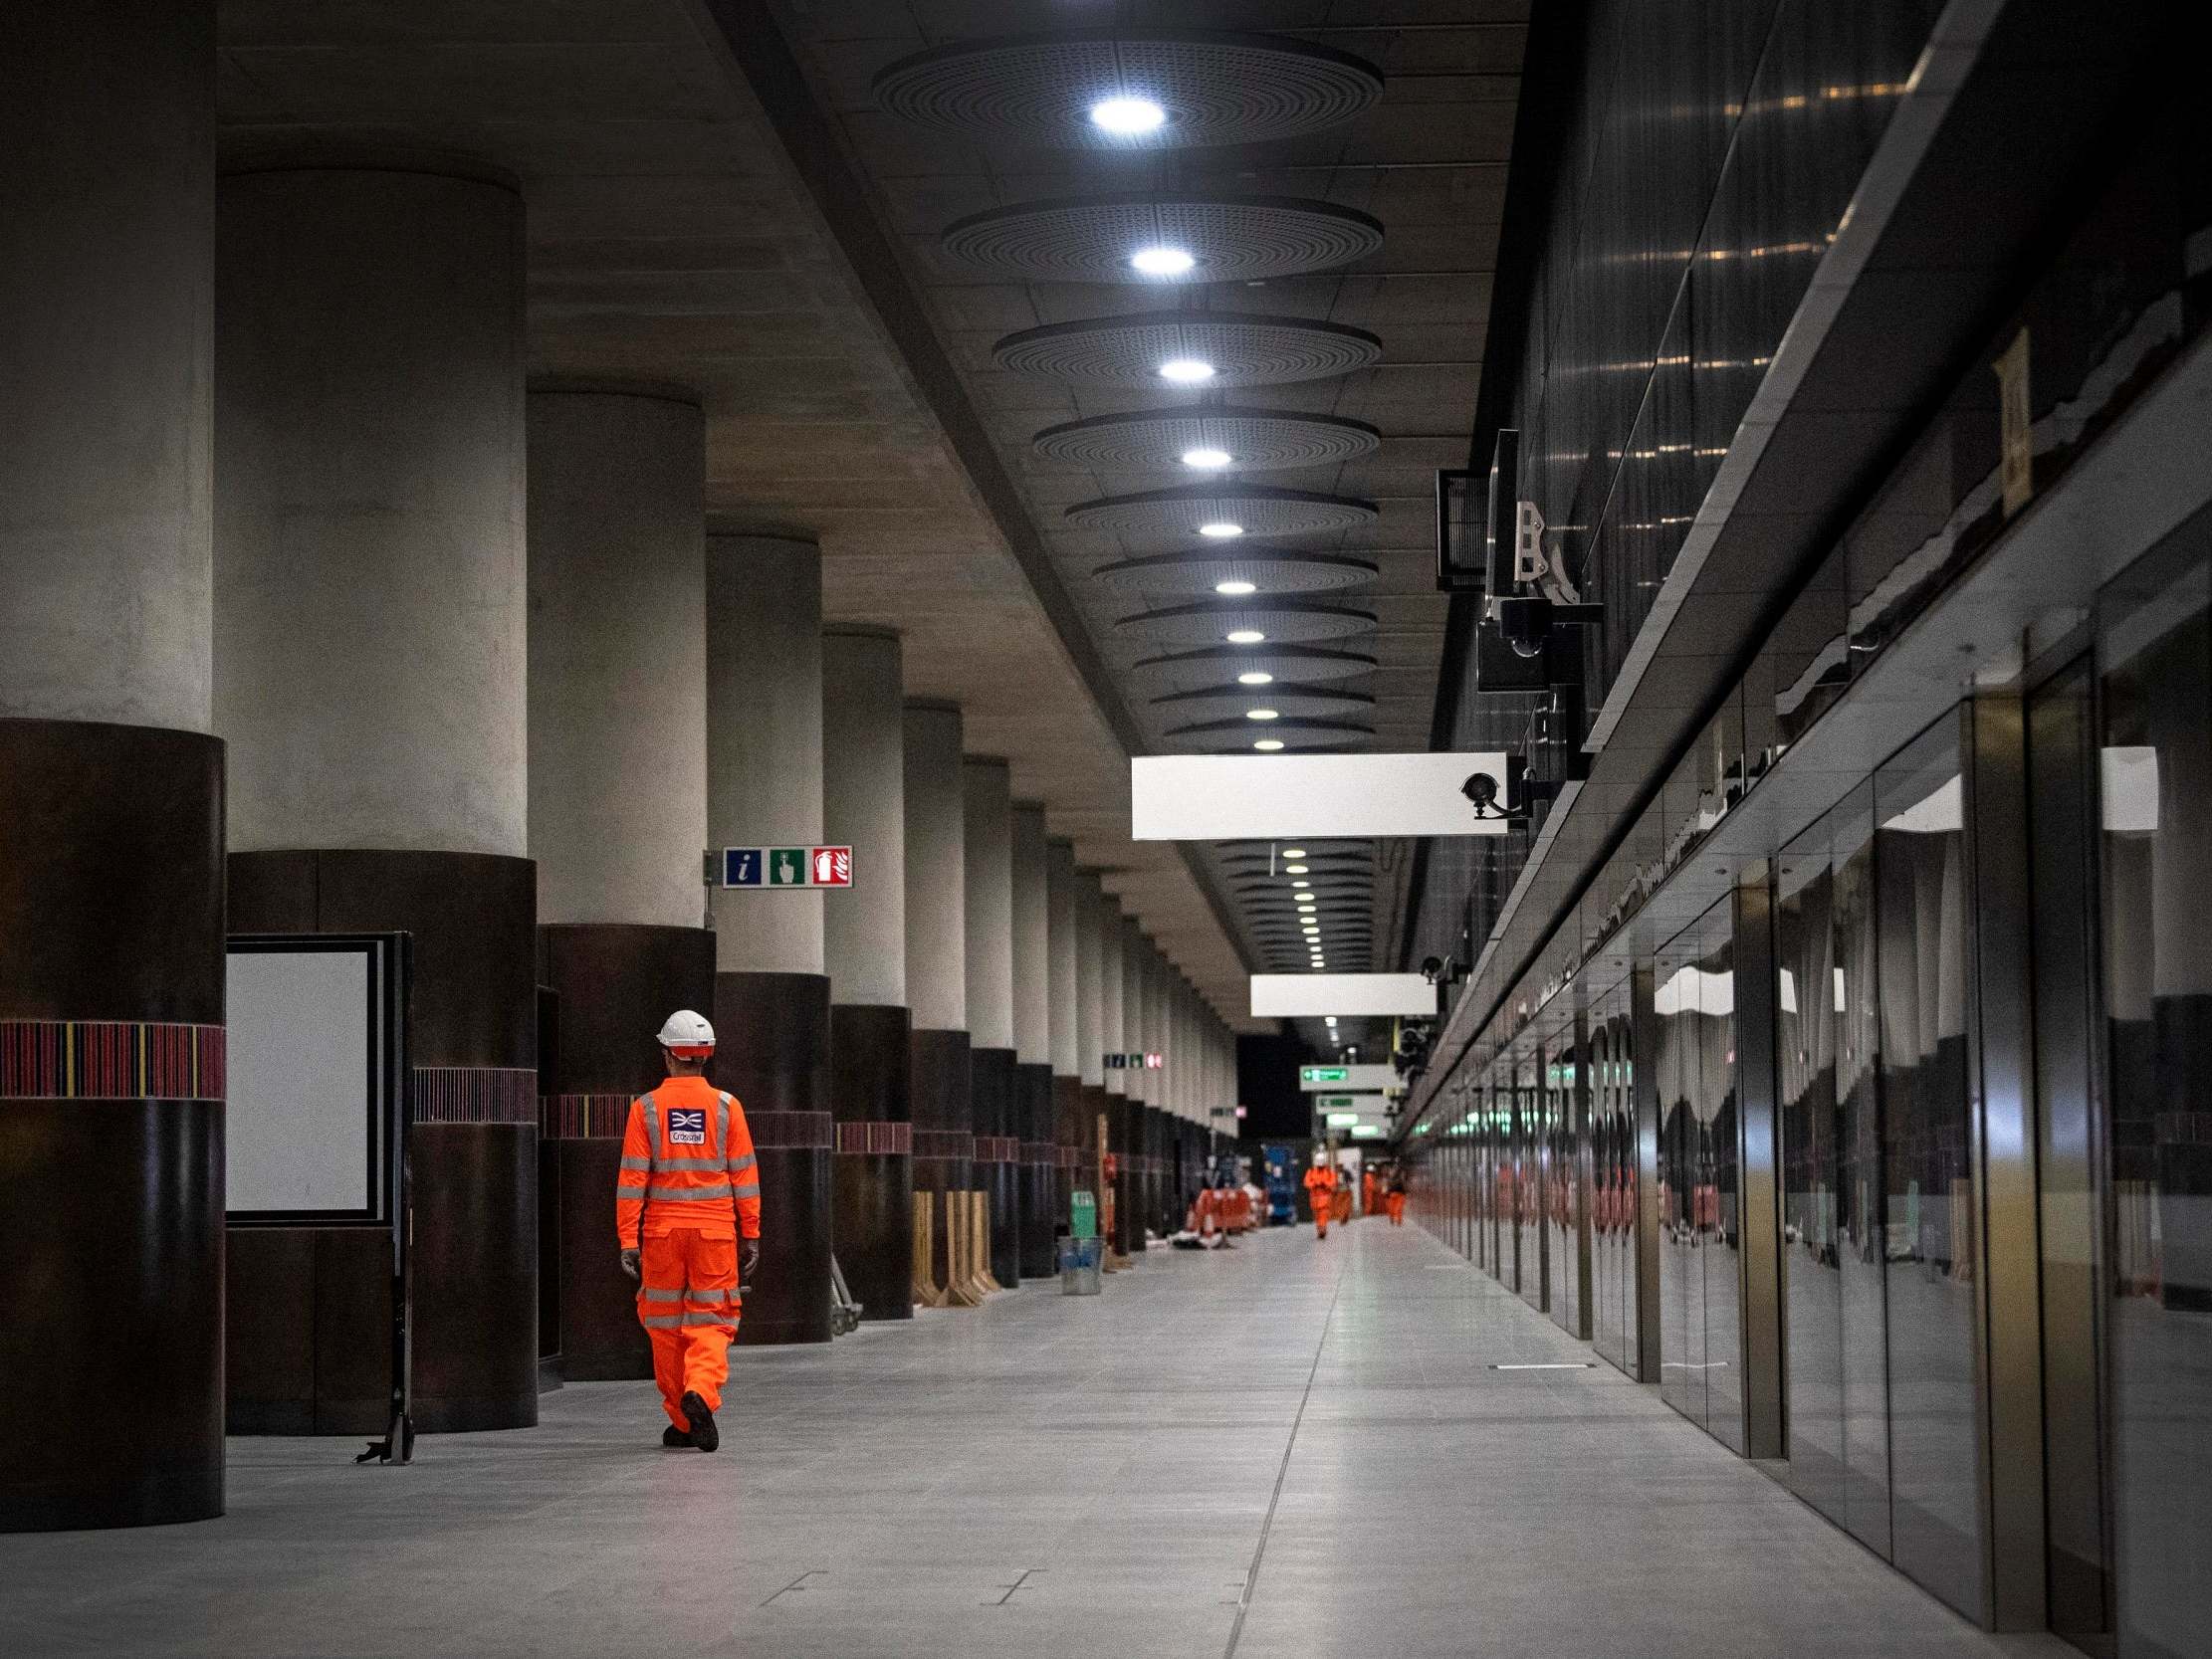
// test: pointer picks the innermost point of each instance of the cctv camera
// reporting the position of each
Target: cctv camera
(1481, 789)
(1432, 967)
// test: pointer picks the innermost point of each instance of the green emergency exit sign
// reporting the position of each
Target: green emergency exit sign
(1324, 1073)
(1324, 1102)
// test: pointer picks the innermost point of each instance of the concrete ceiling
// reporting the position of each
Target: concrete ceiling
(1428, 160)
(673, 237)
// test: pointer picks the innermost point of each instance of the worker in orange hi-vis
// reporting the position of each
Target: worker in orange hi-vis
(1321, 1191)
(1370, 1193)
(1395, 1199)
(687, 1217)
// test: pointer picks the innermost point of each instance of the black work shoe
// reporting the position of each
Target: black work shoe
(672, 1437)
(704, 1434)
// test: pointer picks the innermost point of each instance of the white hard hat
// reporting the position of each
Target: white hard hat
(687, 1034)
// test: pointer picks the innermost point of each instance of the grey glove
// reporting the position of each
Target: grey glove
(748, 1261)
(629, 1263)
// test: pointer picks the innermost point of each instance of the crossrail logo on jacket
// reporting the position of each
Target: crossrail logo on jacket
(687, 1128)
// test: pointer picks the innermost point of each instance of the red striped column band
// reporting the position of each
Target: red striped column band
(583, 1116)
(476, 1094)
(792, 1130)
(944, 1142)
(997, 1149)
(876, 1138)
(109, 1060)
(1043, 1153)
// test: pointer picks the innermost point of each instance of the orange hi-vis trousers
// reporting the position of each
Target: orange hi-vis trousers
(687, 1300)
(1395, 1205)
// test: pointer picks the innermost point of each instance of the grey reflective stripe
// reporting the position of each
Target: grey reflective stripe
(690, 1194)
(668, 1163)
(722, 1124)
(698, 1294)
(751, 1190)
(706, 1319)
(661, 1322)
(694, 1294)
(652, 1295)
(651, 1109)
(624, 1189)
(739, 1165)
(637, 1164)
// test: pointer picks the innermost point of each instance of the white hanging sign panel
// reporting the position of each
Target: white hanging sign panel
(1235, 798)
(1311, 995)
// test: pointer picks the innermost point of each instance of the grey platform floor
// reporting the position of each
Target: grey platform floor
(1288, 1449)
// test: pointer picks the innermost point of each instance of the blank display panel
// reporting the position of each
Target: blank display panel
(306, 1055)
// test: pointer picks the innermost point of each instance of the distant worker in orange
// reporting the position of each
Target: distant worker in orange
(1371, 1194)
(1321, 1191)
(687, 1216)
(1395, 1199)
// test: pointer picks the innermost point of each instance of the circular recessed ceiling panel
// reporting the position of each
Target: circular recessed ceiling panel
(1283, 699)
(1106, 88)
(1162, 239)
(1224, 511)
(1266, 571)
(1212, 624)
(1235, 725)
(1212, 664)
(1254, 440)
(1232, 351)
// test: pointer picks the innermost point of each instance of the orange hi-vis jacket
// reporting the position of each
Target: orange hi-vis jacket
(687, 1163)
(1321, 1182)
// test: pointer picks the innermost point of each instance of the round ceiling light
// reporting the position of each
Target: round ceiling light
(1245, 636)
(1119, 89)
(1225, 349)
(1263, 714)
(1208, 439)
(1222, 510)
(1161, 262)
(1255, 679)
(1268, 745)
(1127, 118)
(1236, 590)
(1145, 237)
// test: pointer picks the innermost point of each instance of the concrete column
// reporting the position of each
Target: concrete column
(770, 990)
(111, 805)
(764, 735)
(618, 655)
(1090, 983)
(987, 833)
(1111, 1037)
(1032, 1037)
(617, 744)
(940, 1051)
(371, 679)
(864, 948)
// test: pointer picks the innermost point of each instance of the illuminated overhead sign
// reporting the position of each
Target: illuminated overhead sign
(1227, 798)
(1310, 995)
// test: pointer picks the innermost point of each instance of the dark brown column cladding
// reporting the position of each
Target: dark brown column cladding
(616, 983)
(111, 1123)
(1033, 1085)
(872, 1200)
(772, 1051)
(998, 1138)
(1070, 1107)
(473, 1152)
(942, 1097)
